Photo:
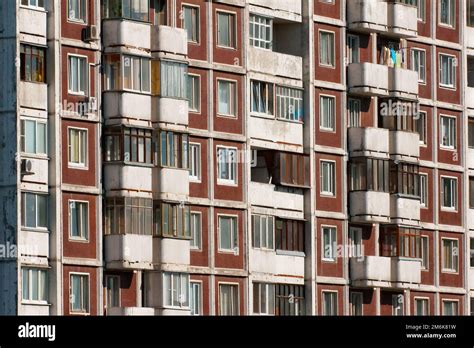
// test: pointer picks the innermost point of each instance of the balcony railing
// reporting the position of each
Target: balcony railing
(276, 64)
(265, 195)
(369, 206)
(368, 141)
(128, 251)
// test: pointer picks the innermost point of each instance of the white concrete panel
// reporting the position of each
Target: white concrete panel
(470, 158)
(33, 243)
(293, 6)
(470, 219)
(120, 311)
(403, 83)
(127, 177)
(367, 15)
(403, 209)
(402, 19)
(275, 130)
(129, 251)
(39, 168)
(171, 180)
(370, 206)
(470, 93)
(469, 35)
(32, 21)
(127, 104)
(33, 309)
(406, 270)
(471, 278)
(33, 95)
(277, 264)
(264, 195)
(169, 39)
(274, 63)
(122, 32)
(368, 79)
(171, 250)
(368, 140)
(374, 268)
(405, 144)
(170, 110)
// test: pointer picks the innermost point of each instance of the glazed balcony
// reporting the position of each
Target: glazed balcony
(275, 63)
(170, 40)
(276, 263)
(126, 33)
(369, 206)
(368, 141)
(128, 251)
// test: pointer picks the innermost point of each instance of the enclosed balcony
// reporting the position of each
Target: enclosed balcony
(276, 263)
(369, 206)
(169, 40)
(388, 17)
(33, 22)
(368, 142)
(128, 251)
(368, 79)
(33, 95)
(126, 33)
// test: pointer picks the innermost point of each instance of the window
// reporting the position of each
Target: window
(448, 132)
(174, 150)
(195, 298)
(449, 193)
(472, 305)
(161, 12)
(228, 234)
(79, 292)
(113, 291)
(447, 70)
(79, 220)
(355, 242)
(194, 93)
(196, 232)
(34, 284)
(226, 165)
(353, 49)
(34, 212)
(172, 220)
(174, 80)
(422, 306)
(450, 307)
(195, 162)
(33, 3)
(226, 26)
(450, 255)
(289, 299)
(328, 178)
(329, 303)
(470, 130)
(32, 63)
(425, 252)
(132, 9)
(424, 190)
(369, 174)
(421, 127)
(136, 73)
(176, 289)
(133, 145)
(77, 75)
(327, 113)
(326, 48)
(292, 169)
(289, 104)
(357, 302)
(260, 32)
(421, 5)
(263, 298)
(418, 63)
(401, 242)
(289, 235)
(33, 137)
(447, 13)
(128, 215)
(77, 147)
(263, 231)
(470, 16)
(398, 304)
(229, 299)
(262, 97)
(353, 107)
(329, 243)
(77, 10)
(190, 17)
(404, 179)
(471, 252)
(227, 98)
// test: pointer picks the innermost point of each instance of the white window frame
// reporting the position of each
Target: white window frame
(24, 209)
(424, 190)
(36, 7)
(194, 162)
(361, 296)
(232, 86)
(232, 169)
(334, 305)
(424, 299)
(331, 165)
(418, 56)
(289, 104)
(332, 58)
(234, 285)
(269, 288)
(84, 75)
(421, 10)
(199, 245)
(81, 274)
(426, 266)
(454, 197)
(453, 71)
(24, 137)
(455, 255)
(84, 238)
(42, 281)
(422, 115)
(264, 43)
(259, 234)
(234, 234)
(195, 93)
(197, 283)
(269, 103)
(142, 82)
(107, 277)
(333, 243)
(172, 275)
(451, 7)
(197, 24)
(232, 29)
(82, 164)
(453, 142)
(395, 309)
(331, 127)
(75, 19)
(452, 302)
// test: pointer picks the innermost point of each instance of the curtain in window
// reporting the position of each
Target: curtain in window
(224, 98)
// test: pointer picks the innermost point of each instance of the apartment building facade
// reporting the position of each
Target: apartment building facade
(237, 157)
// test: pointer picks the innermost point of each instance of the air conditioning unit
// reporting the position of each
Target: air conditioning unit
(91, 33)
(26, 167)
